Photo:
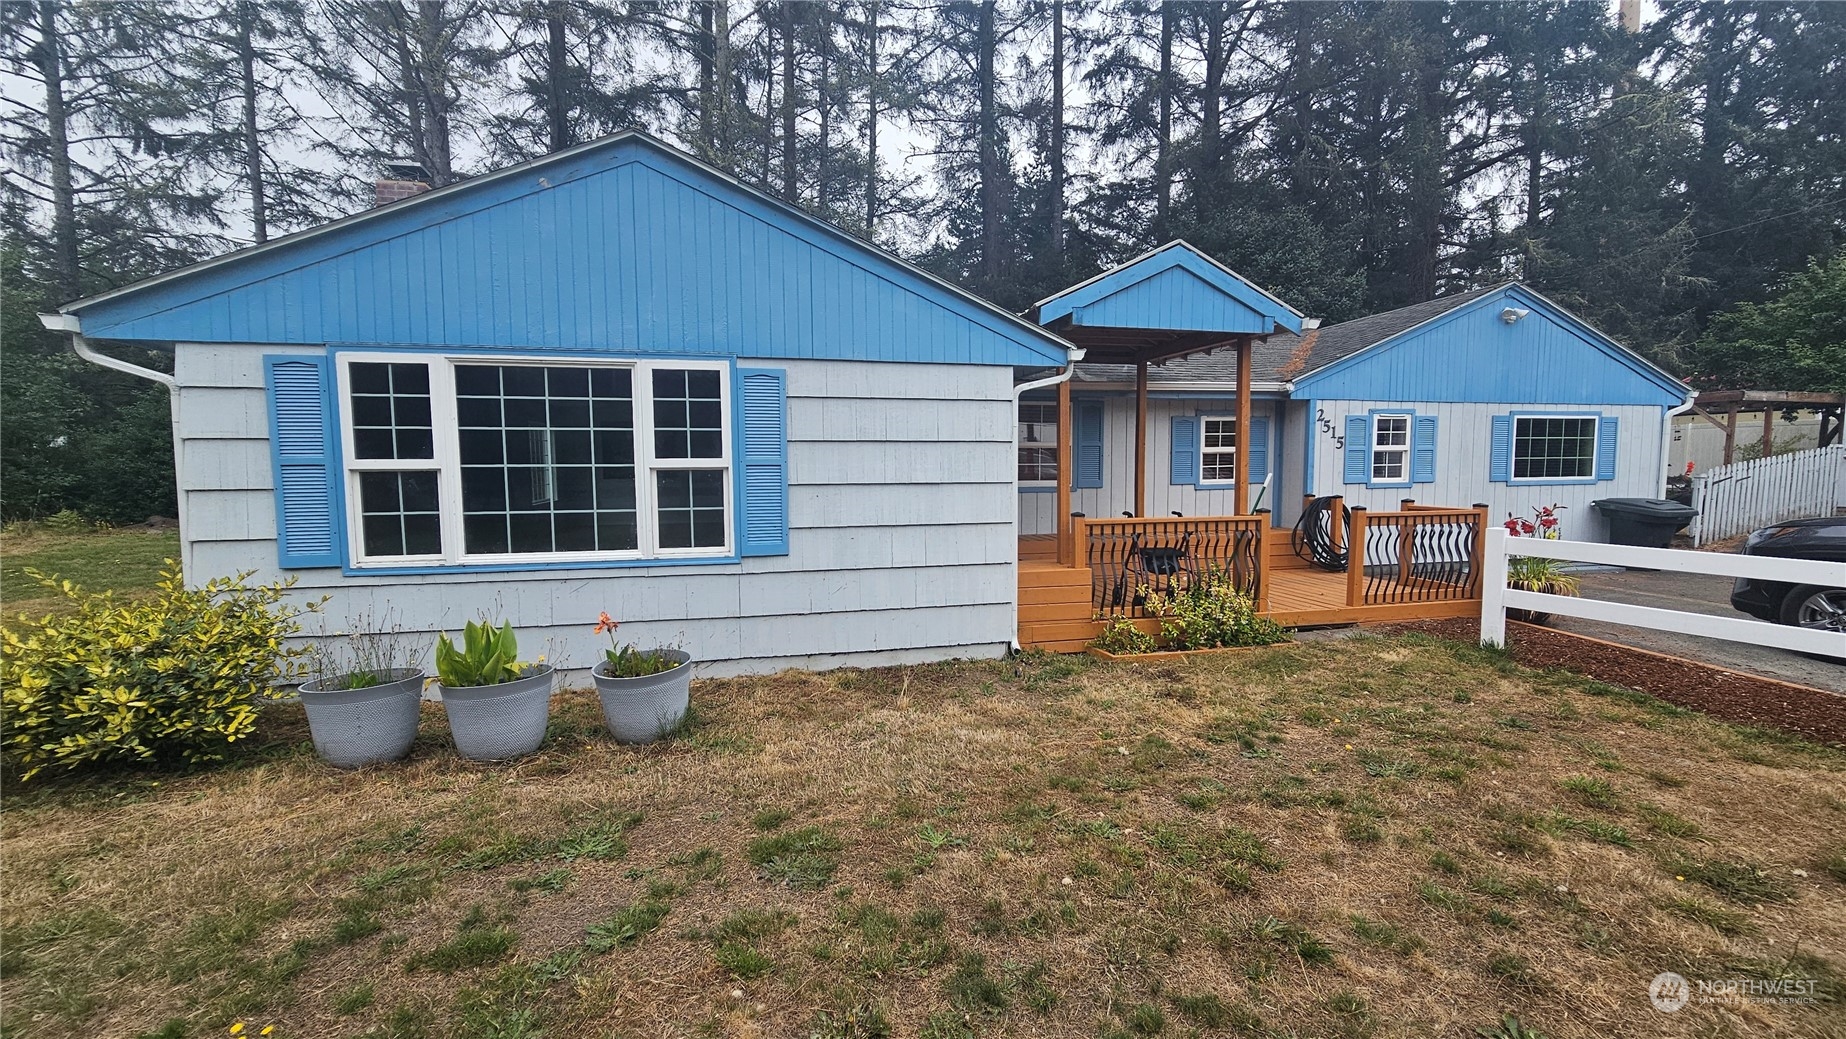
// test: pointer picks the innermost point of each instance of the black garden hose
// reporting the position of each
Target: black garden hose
(1313, 536)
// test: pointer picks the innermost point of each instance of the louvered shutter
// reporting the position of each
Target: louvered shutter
(302, 439)
(762, 469)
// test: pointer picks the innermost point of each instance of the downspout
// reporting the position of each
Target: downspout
(1666, 440)
(81, 347)
(1020, 389)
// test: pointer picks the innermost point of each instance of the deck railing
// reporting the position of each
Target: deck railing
(1417, 555)
(1129, 558)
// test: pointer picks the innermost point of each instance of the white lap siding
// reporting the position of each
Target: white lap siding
(1464, 447)
(1038, 509)
(900, 542)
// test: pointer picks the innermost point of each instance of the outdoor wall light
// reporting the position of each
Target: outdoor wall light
(1511, 315)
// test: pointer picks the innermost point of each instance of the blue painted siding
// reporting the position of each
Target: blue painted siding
(1174, 298)
(624, 247)
(1470, 356)
(1174, 287)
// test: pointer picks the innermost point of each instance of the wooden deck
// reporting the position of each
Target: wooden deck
(1057, 611)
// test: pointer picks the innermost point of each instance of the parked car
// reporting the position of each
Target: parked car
(1808, 605)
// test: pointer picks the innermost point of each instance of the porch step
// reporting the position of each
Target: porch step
(1075, 633)
(1049, 595)
(1054, 577)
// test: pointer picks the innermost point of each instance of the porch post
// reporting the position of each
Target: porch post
(1730, 436)
(1240, 497)
(1768, 431)
(1065, 474)
(1141, 438)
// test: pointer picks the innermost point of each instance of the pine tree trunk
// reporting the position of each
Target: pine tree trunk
(788, 101)
(1057, 134)
(431, 27)
(823, 105)
(1211, 99)
(871, 121)
(253, 142)
(1535, 168)
(556, 59)
(724, 141)
(991, 206)
(1163, 146)
(49, 59)
(707, 52)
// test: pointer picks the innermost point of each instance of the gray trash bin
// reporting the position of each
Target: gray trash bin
(1644, 522)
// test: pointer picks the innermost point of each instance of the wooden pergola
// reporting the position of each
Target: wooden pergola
(1711, 404)
(1166, 304)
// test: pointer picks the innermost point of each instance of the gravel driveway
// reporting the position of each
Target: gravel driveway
(1694, 593)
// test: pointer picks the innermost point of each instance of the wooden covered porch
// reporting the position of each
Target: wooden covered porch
(1418, 562)
(1175, 302)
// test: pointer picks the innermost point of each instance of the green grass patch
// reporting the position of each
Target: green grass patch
(126, 562)
(625, 926)
(1735, 879)
(803, 858)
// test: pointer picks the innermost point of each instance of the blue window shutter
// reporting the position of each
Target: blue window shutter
(1259, 450)
(1423, 450)
(1500, 468)
(1606, 437)
(1185, 450)
(302, 436)
(1358, 449)
(1086, 444)
(762, 464)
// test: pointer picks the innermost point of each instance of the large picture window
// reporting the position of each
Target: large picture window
(1554, 447)
(456, 460)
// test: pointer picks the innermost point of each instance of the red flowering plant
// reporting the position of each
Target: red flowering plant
(627, 661)
(1533, 574)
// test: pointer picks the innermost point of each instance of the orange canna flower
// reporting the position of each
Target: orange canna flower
(605, 623)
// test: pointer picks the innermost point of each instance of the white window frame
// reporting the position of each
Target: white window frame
(1020, 444)
(1403, 450)
(1204, 421)
(1512, 448)
(447, 460)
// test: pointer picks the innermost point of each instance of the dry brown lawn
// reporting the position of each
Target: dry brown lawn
(1376, 836)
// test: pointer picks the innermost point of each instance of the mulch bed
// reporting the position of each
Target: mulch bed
(1747, 699)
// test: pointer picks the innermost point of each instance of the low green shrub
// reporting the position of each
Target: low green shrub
(1121, 637)
(174, 678)
(1212, 614)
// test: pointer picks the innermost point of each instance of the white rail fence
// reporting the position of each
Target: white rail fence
(1497, 598)
(1740, 497)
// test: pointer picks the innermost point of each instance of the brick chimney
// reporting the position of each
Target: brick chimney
(401, 180)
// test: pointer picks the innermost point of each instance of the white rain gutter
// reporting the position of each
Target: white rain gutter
(1019, 389)
(81, 347)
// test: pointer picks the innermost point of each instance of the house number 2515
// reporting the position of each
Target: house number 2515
(1327, 427)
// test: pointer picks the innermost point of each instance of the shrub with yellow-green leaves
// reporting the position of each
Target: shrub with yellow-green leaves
(171, 679)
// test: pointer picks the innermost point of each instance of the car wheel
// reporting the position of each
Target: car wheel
(1817, 608)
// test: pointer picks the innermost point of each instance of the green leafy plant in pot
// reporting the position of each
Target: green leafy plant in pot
(645, 693)
(1535, 573)
(498, 706)
(364, 698)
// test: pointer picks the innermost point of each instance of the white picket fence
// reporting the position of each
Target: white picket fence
(1740, 497)
(1496, 597)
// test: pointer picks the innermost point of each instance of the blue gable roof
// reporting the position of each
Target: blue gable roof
(1468, 354)
(1173, 287)
(620, 245)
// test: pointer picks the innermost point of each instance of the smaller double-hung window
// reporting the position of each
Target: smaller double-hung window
(1217, 449)
(1038, 444)
(455, 460)
(1391, 448)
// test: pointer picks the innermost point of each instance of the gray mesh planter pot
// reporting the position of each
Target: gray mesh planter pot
(495, 722)
(357, 727)
(641, 710)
